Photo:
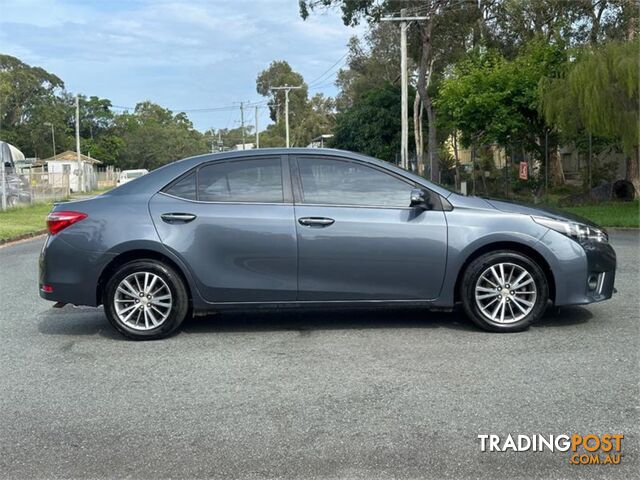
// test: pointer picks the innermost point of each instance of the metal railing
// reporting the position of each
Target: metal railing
(33, 187)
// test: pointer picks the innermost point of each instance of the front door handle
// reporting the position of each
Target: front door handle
(177, 217)
(316, 221)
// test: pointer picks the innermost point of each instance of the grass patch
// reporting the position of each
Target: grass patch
(31, 219)
(610, 214)
(23, 220)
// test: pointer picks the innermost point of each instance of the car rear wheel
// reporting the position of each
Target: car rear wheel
(504, 291)
(146, 300)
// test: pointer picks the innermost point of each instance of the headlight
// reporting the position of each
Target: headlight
(578, 231)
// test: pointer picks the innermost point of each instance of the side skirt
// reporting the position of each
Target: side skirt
(322, 305)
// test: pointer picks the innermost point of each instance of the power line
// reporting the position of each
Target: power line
(220, 108)
(328, 70)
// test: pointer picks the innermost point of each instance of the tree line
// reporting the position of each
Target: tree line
(520, 74)
(35, 108)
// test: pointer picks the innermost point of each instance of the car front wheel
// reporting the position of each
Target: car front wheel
(145, 300)
(504, 291)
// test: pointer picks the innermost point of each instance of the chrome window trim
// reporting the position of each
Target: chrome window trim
(287, 204)
(205, 202)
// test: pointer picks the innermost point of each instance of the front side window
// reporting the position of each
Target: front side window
(257, 180)
(337, 182)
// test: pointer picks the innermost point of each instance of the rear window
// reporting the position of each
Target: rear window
(134, 174)
(253, 180)
(184, 187)
(258, 180)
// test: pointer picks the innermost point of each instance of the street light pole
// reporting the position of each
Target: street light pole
(286, 89)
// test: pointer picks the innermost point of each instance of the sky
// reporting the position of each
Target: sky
(185, 55)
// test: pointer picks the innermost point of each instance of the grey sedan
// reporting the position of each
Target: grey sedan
(312, 228)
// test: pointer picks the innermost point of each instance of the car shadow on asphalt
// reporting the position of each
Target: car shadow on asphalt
(81, 321)
(355, 319)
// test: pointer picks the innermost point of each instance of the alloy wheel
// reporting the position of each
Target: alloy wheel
(142, 301)
(505, 293)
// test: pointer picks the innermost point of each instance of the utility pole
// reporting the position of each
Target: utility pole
(286, 89)
(80, 184)
(242, 122)
(3, 175)
(257, 133)
(546, 162)
(404, 76)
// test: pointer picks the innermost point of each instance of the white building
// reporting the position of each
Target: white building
(67, 162)
(244, 146)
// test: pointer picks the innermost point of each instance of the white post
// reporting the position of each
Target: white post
(286, 113)
(286, 89)
(3, 185)
(80, 176)
(404, 152)
(242, 122)
(404, 75)
(257, 133)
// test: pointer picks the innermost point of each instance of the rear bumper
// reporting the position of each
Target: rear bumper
(71, 274)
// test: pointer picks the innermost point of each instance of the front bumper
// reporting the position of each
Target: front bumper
(601, 272)
(583, 273)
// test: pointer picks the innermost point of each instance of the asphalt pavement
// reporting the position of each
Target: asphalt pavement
(324, 394)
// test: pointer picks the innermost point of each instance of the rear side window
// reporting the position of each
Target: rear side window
(184, 188)
(257, 180)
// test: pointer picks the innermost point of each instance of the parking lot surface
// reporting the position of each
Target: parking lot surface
(324, 394)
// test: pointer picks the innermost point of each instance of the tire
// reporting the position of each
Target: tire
(149, 318)
(518, 304)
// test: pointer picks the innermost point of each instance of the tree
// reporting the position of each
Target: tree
(372, 125)
(153, 136)
(279, 74)
(599, 93)
(30, 97)
(318, 119)
(430, 42)
(491, 99)
(96, 116)
(371, 63)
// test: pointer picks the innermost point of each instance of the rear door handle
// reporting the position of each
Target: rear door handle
(316, 221)
(177, 217)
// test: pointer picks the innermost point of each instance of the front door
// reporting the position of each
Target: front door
(358, 239)
(232, 222)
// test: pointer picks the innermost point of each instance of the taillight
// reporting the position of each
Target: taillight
(58, 221)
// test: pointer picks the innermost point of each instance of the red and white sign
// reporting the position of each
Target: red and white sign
(524, 171)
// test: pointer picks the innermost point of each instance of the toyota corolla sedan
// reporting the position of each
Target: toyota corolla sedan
(311, 228)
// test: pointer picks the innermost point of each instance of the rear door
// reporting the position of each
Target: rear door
(358, 239)
(232, 222)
